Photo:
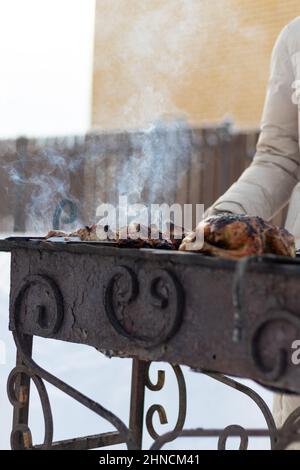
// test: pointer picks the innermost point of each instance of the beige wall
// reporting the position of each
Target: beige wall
(198, 58)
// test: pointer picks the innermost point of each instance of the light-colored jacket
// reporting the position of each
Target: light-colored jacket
(266, 186)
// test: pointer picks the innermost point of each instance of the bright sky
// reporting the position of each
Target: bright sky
(46, 50)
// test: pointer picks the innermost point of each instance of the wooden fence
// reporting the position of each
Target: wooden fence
(42, 180)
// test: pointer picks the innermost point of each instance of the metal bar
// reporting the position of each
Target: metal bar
(21, 411)
(217, 432)
(137, 400)
(87, 442)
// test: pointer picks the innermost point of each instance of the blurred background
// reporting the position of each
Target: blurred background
(195, 58)
(92, 90)
(160, 100)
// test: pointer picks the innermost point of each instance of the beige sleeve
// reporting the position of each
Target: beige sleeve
(266, 186)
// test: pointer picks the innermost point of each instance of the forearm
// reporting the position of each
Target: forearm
(263, 189)
(266, 186)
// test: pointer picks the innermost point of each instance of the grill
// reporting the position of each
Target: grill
(216, 316)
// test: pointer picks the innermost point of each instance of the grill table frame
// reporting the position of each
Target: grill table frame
(216, 316)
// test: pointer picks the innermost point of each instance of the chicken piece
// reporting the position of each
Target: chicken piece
(141, 236)
(237, 236)
(132, 236)
(175, 235)
(280, 242)
(87, 233)
(56, 233)
(227, 236)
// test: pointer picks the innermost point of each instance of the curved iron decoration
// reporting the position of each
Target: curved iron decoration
(123, 288)
(159, 298)
(256, 398)
(279, 367)
(281, 359)
(234, 430)
(47, 325)
(21, 401)
(159, 408)
(238, 289)
(230, 431)
(290, 432)
(161, 292)
(41, 373)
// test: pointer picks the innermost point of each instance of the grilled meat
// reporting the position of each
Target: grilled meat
(236, 236)
(225, 235)
(56, 233)
(130, 236)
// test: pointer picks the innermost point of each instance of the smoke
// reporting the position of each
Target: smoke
(159, 158)
(38, 178)
(148, 59)
(59, 183)
(146, 63)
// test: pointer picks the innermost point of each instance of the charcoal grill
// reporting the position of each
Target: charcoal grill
(215, 316)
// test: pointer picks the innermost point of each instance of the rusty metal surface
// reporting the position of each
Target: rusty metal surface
(18, 391)
(87, 442)
(216, 316)
(22, 439)
(137, 399)
(280, 439)
(160, 410)
(162, 306)
(21, 434)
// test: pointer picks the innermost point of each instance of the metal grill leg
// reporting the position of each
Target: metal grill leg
(21, 436)
(137, 400)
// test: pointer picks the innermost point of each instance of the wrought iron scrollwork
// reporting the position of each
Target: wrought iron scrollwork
(38, 374)
(234, 430)
(22, 400)
(278, 320)
(230, 431)
(160, 296)
(290, 432)
(257, 400)
(159, 409)
(122, 289)
(39, 302)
